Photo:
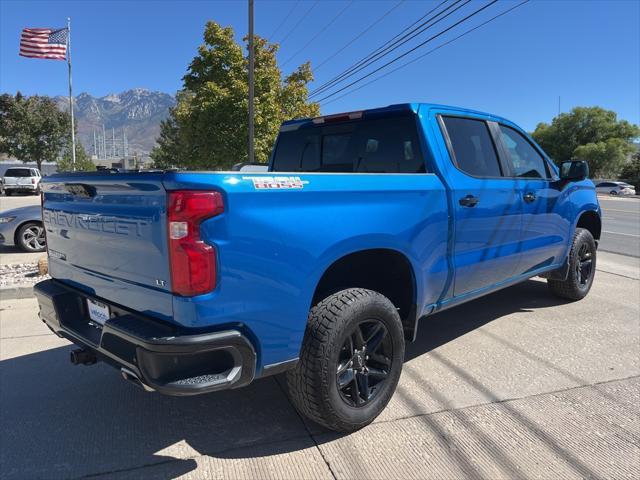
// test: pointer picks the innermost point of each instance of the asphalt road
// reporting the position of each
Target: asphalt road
(621, 226)
(516, 385)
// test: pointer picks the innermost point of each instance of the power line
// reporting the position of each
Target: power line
(284, 20)
(411, 26)
(299, 21)
(392, 45)
(410, 50)
(357, 37)
(429, 52)
(322, 30)
(371, 54)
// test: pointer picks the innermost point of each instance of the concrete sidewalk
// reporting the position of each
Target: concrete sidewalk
(518, 384)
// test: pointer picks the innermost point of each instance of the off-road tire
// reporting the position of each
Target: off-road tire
(313, 385)
(572, 288)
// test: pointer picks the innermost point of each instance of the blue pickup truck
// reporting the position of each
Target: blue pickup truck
(320, 267)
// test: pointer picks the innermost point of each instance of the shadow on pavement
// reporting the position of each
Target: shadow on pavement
(63, 421)
(6, 249)
(446, 326)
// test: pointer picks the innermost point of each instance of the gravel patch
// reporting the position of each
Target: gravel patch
(20, 274)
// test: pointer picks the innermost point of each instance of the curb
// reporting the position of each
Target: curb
(16, 292)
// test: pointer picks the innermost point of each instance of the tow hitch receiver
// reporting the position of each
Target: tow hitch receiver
(82, 356)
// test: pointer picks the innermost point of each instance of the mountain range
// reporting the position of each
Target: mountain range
(136, 113)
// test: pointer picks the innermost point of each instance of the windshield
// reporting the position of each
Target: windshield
(18, 172)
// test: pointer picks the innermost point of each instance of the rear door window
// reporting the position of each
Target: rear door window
(382, 145)
(472, 147)
(525, 160)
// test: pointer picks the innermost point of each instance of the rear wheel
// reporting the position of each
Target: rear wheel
(582, 268)
(613, 192)
(30, 237)
(350, 362)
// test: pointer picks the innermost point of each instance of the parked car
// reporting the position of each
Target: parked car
(21, 179)
(615, 188)
(22, 227)
(322, 267)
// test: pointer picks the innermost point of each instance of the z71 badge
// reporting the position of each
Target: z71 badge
(277, 183)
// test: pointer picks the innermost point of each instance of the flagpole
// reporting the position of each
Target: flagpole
(73, 129)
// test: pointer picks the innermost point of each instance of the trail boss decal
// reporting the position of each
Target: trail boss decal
(277, 183)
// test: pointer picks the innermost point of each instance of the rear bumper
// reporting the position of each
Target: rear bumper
(23, 188)
(161, 357)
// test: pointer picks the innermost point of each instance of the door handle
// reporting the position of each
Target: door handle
(469, 201)
(529, 197)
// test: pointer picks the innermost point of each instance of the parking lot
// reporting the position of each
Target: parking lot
(518, 384)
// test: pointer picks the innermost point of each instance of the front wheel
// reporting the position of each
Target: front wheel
(582, 268)
(350, 362)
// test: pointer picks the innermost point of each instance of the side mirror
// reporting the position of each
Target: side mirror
(574, 171)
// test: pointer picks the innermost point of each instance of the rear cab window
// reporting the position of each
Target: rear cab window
(365, 145)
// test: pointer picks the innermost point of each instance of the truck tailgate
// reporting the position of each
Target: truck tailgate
(107, 234)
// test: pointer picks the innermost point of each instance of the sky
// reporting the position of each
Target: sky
(585, 52)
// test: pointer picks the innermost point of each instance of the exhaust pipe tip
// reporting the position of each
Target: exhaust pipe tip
(129, 376)
(81, 356)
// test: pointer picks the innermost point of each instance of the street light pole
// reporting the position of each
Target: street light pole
(251, 67)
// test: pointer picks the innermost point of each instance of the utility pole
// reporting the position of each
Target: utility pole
(558, 104)
(251, 68)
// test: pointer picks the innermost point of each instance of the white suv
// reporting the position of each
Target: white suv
(21, 179)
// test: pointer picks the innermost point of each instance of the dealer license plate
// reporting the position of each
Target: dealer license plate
(98, 312)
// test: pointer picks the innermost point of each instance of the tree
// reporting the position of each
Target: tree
(168, 152)
(631, 171)
(32, 129)
(208, 128)
(588, 133)
(83, 162)
(605, 159)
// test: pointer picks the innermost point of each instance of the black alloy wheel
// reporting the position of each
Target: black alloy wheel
(584, 265)
(364, 363)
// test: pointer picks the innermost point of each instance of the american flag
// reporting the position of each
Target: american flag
(44, 43)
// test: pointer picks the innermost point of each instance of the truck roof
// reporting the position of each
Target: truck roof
(395, 108)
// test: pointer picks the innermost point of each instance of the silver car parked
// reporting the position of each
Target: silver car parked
(615, 188)
(22, 227)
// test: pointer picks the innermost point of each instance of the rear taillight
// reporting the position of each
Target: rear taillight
(193, 262)
(33, 181)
